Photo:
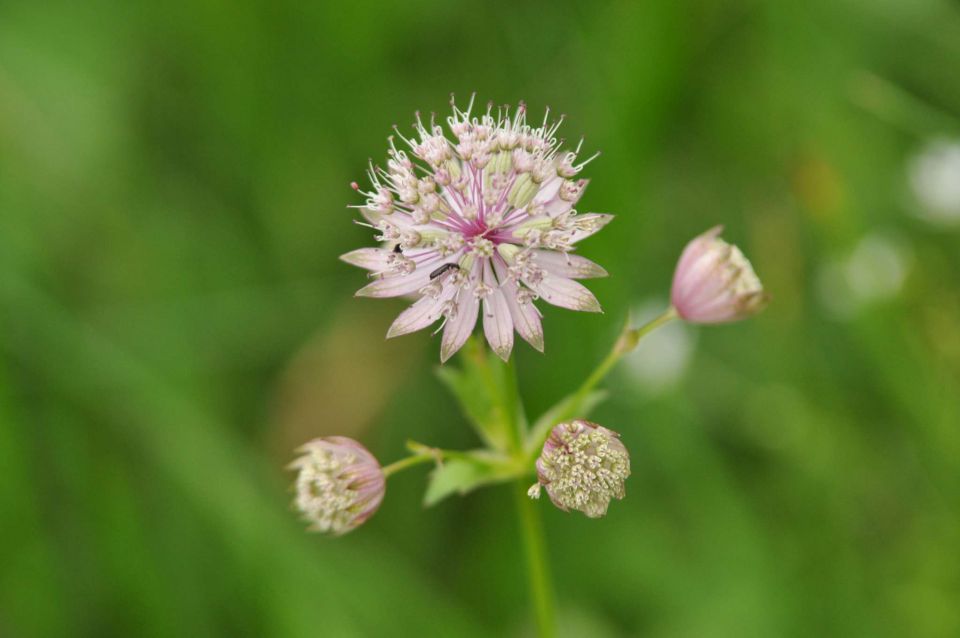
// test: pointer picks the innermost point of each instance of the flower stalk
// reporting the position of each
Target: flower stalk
(537, 565)
(627, 342)
(576, 404)
(410, 461)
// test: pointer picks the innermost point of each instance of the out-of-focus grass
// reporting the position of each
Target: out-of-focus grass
(173, 191)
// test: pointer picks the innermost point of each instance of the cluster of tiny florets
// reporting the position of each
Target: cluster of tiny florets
(583, 466)
(339, 484)
(480, 222)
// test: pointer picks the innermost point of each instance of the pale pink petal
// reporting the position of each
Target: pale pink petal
(701, 278)
(553, 204)
(368, 258)
(421, 314)
(565, 293)
(593, 221)
(568, 265)
(398, 285)
(372, 216)
(719, 309)
(555, 209)
(526, 319)
(548, 191)
(709, 278)
(399, 219)
(458, 328)
(497, 323)
(694, 250)
(395, 285)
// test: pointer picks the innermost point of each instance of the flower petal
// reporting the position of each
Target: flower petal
(568, 265)
(694, 250)
(368, 258)
(458, 328)
(703, 276)
(555, 205)
(398, 285)
(565, 293)
(372, 216)
(395, 218)
(497, 322)
(555, 208)
(526, 318)
(548, 191)
(421, 314)
(592, 222)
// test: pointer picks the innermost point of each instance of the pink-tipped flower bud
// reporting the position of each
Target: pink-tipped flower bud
(339, 484)
(583, 466)
(715, 283)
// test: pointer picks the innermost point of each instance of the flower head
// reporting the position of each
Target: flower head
(714, 282)
(482, 221)
(583, 466)
(339, 484)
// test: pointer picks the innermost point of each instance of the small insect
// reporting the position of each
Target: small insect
(442, 269)
(397, 249)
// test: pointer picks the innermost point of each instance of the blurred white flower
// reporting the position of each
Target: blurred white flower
(877, 268)
(875, 271)
(934, 175)
(660, 360)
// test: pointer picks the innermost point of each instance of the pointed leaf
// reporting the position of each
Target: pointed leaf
(460, 476)
(485, 387)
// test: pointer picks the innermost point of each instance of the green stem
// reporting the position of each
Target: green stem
(505, 429)
(626, 343)
(440, 454)
(410, 461)
(513, 408)
(583, 398)
(538, 570)
(531, 525)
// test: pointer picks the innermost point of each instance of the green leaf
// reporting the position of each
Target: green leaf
(474, 401)
(485, 387)
(462, 475)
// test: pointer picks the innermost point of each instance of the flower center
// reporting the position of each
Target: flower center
(478, 229)
(475, 228)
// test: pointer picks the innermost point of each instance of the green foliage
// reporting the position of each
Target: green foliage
(485, 387)
(463, 475)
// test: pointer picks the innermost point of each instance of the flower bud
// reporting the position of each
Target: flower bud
(339, 484)
(582, 467)
(714, 282)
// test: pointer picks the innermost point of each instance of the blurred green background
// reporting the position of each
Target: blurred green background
(173, 191)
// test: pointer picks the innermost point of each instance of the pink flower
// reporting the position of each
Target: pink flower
(480, 223)
(714, 282)
(339, 484)
(583, 467)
